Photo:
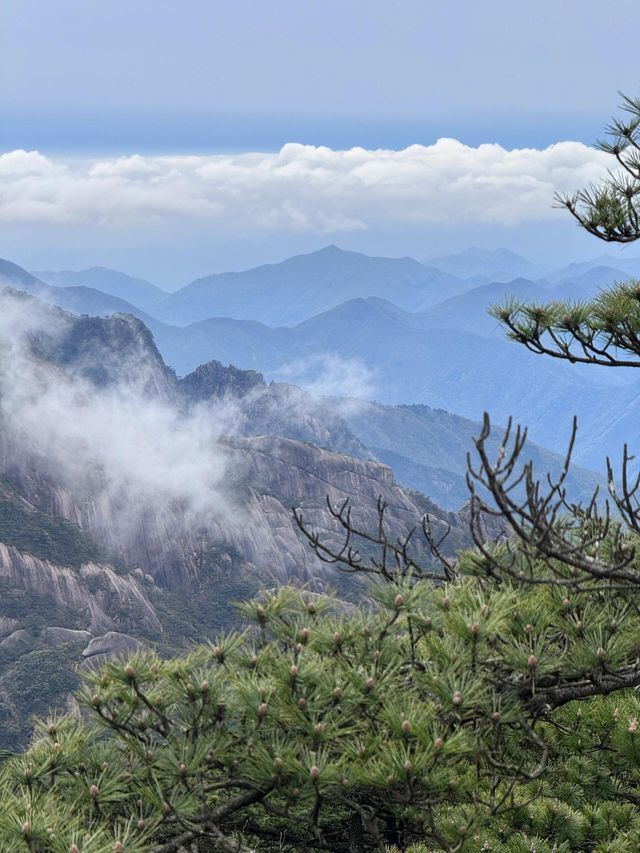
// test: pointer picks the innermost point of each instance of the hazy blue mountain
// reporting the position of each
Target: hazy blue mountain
(411, 362)
(305, 285)
(11, 273)
(468, 311)
(587, 283)
(137, 291)
(627, 266)
(427, 449)
(77, 299)
(450, 356)
(485, 265)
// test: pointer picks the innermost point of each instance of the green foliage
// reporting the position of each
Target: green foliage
(411, 716)
(35, 610)
(45, 536)
(37, 682)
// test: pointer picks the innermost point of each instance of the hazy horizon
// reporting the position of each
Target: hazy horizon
(231, 135)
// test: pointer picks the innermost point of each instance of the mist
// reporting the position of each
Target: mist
(126, 447)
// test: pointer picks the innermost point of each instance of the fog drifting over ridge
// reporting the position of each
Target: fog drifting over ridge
(300, 188)
(129, 449)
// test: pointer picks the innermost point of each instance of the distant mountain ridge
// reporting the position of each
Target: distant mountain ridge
(483, 264)
(142, 293)
(297, 288)
(451, 355)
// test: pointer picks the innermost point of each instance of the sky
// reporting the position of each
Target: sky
(173, 139)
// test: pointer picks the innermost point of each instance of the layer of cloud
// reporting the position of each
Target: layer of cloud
(299, 188)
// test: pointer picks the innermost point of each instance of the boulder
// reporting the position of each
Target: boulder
(110, 645)
(17, 638)
(55, 636)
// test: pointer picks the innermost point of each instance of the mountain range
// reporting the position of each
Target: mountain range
(442, 352)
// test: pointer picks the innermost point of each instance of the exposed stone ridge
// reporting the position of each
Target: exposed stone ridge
(95, 591)
(214, 380)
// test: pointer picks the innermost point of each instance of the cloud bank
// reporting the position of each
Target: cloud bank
(300, 188)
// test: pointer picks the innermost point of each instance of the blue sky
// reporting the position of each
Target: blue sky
(82, 79)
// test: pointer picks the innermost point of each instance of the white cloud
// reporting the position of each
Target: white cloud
(300, 187)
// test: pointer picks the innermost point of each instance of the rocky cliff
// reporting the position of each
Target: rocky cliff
(137, 505)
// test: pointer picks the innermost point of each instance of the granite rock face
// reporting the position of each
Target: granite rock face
(93, 592)
(55, 636)
(284, 450)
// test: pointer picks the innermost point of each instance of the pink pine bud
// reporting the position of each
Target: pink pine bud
(94, 791)
(314, 772)
(398, 601)
(457, 698)
(302, 703)
(293, 671)
(337, 693)
(532, 661)
(183, 769)
(26, 827)
(406, 726)
(129, 671)
(118, 847)
(204, 686)
(408, 766)
(475, 629)
(600, 653)
(263, 709)
(369, 684)
(438, 744)
(633, 726)
(318, 728)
